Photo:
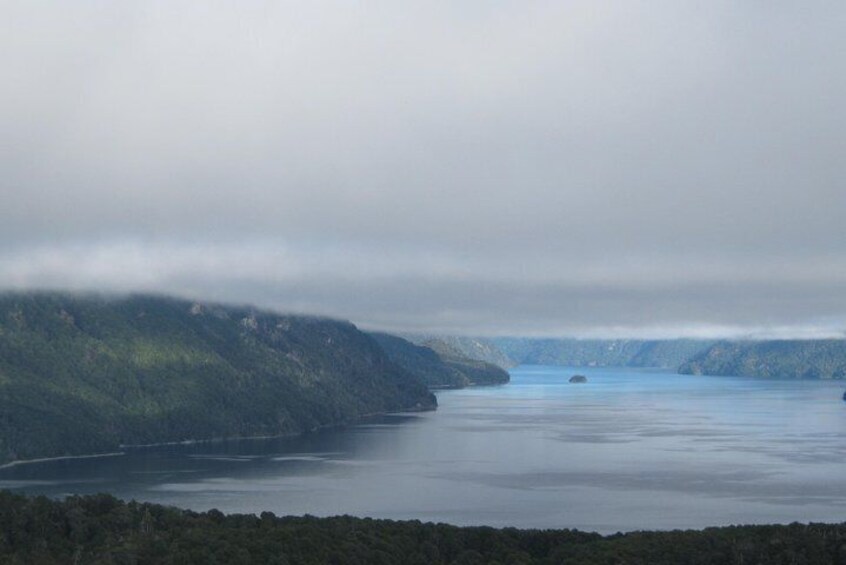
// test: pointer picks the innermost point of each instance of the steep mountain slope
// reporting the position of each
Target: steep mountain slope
(85, 374)
(479, 348)
(482, 349)
(601, 353)
(475, 371)
(795, 359)
(439, 367)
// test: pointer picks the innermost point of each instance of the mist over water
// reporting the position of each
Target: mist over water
(631, 449)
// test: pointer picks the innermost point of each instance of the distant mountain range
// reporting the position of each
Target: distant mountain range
(599, 352)
(795, 359)
(508, 352)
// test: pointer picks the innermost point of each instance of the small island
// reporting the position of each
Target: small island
(578, 379)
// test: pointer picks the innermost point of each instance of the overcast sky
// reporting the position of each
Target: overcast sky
(588, 168)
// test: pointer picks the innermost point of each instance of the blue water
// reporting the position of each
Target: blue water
(631, 449)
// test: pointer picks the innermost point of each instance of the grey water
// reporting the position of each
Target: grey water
(630, 449)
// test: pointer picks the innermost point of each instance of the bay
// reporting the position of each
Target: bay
(630, 449)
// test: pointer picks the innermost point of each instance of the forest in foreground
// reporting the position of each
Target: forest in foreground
(101, 529)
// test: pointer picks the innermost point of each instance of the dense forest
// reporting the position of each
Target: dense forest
(101, 529)
(84, 374)
(795, 359)
(438, 365)
(601, 352)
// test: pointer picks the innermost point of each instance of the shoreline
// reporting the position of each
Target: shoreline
(130, 446)
(315, 429)
(59, 458)
(436, 388)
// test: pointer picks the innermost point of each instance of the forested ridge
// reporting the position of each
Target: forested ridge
(438, 364)
(478, 348)
(101, 529)
(793, 359)
(86, 374)
(784, 358)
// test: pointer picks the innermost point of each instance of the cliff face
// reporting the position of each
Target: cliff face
(84, 374)
(794, 359)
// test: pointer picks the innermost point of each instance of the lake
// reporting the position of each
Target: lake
(630, 449)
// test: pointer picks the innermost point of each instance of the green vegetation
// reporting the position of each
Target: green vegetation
(478, 348)
(475, 372)
(100, 529)
(82, 375)
(439, 365)
(601, 353)
(793, 359)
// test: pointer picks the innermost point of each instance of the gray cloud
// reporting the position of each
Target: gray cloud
(588, 168)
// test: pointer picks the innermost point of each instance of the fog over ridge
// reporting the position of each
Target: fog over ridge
(581, 168)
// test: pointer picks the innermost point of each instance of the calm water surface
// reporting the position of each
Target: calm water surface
(630, 449)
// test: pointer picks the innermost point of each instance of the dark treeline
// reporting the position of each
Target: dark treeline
(102, 529)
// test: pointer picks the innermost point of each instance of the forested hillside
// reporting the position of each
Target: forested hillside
(794, 359)
(478, 348)
(100, 529)
(600, 352)
(438, 365)
(83, 375)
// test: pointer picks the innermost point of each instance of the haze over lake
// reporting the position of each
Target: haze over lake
(631, 449)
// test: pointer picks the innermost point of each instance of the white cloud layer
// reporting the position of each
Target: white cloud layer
(581, 168)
